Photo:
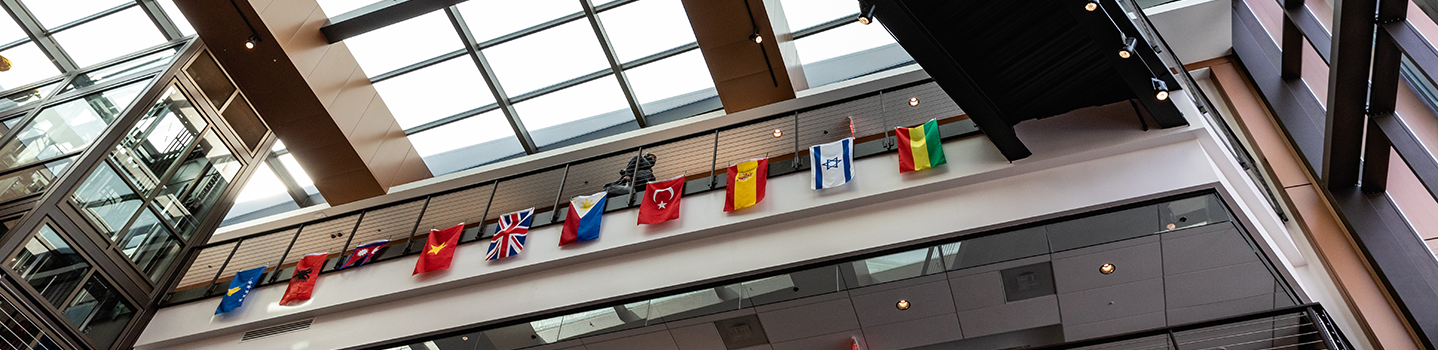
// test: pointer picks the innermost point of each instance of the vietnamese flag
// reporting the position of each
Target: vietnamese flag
(303, 281)
(746, 183)
(661, 201)
(438, 250)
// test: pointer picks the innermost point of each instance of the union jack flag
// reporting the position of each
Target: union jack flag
(513, 229)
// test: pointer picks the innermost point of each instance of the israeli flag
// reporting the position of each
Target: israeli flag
(832, 164)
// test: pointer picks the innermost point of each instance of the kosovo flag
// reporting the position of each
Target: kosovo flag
(239, 288)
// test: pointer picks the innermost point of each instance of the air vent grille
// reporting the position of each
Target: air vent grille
(277, 330)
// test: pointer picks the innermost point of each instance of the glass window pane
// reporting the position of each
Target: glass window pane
(435, 92)
(67, 127)
(50, 265)
(33, 180)
(547, 58)
(808, 13)
(671, 82)
(99, 312)
(28, 65)
(405, 43)
(245, 122)
(11, 32)
(211, 79)
(646, 27)
(847, 39)
(158, 139)
(575, 111)
(150, 245)
(197, 184)
(474, 130)
(301, 178)
(489, 19)
(261, 191)
(106, 200)
(53, 13)
(22, 99)
(175, 16)
(109, 37)
(122, 69)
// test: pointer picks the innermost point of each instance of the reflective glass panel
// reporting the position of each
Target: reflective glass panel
(808, 13)
(122, 69)
(404, 43)
(54, 13)
(575, 111)
(847, 39)
(50, 265)
(158, 139)
(646, 27)
(150, 245)
(489, 19)
(547, 58)
(99, 312)
(109, 37)
(33, 180)
(175, 16)
(22, 99)
(106, 200)
(671, 82)
(28, 65)
(197, 184)
(211, 79)
(435, 92)
(68, 126)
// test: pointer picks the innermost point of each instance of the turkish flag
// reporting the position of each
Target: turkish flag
(438, 250)
(303, 281)
(661, 201)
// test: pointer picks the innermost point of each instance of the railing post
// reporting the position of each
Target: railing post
(1172, 340)
(492, 190)
(634, 178)
(286, 254)
(211, 287)
(795, 161)
(714, 163)
(554, 209)
(1322, 326)
(410, 242)
(349, 240)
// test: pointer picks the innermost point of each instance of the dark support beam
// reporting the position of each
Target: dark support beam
(955, 81)
(1347, 95)
(1293, 42)
(1138, 70)
(1310, 27)
(378, 15)
(1404, 263)
(1382, 97)
(1420, 160)
(1413, 44)
(1375, 158)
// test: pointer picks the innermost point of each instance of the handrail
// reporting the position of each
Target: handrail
(1326, 331)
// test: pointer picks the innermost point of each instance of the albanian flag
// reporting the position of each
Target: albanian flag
(303, 281)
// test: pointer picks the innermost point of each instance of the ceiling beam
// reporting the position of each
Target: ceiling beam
(379, 15)
(1353, 31)
(1107, 29)
(746, 74)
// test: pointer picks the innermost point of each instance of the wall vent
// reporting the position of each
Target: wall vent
(277, 330)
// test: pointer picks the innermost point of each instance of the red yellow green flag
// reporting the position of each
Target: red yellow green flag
(919, 147)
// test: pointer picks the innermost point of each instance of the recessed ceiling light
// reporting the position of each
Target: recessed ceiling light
(1106, 269)
(913, 102)
(778, 133)
(903, 304)
(1091, 5)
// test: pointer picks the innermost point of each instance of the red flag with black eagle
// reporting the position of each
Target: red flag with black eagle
(302, 284)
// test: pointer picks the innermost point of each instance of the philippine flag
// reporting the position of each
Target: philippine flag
(582, 223)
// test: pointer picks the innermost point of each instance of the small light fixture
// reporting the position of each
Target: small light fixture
(866, 12)
(1091, 6)
(913, 102)
(1128, 47)
(1160, 89)
(1106, 269)
(756, 38)
(254, 40)
(778, 133)
(903, 304)
(464, 338)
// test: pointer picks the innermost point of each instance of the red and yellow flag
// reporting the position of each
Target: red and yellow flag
(438, 249)
(746, 184)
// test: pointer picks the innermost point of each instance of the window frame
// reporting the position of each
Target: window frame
(69, 297)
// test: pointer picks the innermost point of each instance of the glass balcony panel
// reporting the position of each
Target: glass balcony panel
(54, 13)
(100, 312)
(405, 43)
(212, 80)
(444, 89)
(150, 245)
(33, 180)
(898, 266)
(605, 320)
(548, 57)
(121, 70)
(28, 65)
(50, 265)
(197, 185)
(107, 201)
(672, 82)
(67, 127)
(996, 248)
(646, 27)
(792, 286)
(1191, 212)
(575, 111)
(696, 303)
(22, 99)
(158, 140)
(109, 37)
(489, 19)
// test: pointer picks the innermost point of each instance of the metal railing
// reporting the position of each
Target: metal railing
(701, 158)
(1305, 327)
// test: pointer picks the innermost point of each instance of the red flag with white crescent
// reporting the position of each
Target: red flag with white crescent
(661, 201)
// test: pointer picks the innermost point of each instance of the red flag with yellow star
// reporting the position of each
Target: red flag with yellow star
(438, 249)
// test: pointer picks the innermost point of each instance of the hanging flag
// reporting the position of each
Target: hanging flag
(585, 214)
(438, 249)
(239, 287)
(302, 283)
(833, 164)
(363, 253)
(513, 230)
(746, 183)
(661, 201)
(919, 147)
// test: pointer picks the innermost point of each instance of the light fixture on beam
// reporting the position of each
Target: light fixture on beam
(254, 40)
(866, 12)
(1091, 6)
(1129, 43)
(756, 38)
(1160, 89)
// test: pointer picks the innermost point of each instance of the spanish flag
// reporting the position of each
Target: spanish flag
(919, 147)
(747, 181)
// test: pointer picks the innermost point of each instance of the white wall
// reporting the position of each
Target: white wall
(1195, 29)
(1080, 161)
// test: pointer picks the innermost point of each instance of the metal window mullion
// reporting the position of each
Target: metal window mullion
(490, 79)
(37, 33)
(161, 19)
(614, 64)
(450, 119)
(822, 27)
(298, 193)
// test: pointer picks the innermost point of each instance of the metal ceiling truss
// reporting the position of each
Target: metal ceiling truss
(500, 97)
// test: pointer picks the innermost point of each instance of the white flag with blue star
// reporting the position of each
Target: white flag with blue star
(832, 164)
